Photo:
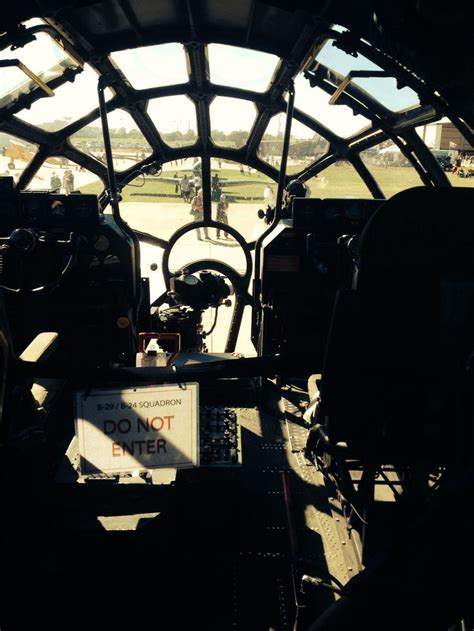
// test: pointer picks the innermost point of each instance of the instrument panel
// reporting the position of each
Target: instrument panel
(49, 211)
(330, 218)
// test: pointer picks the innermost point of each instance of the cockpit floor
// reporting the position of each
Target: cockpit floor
(219, 549)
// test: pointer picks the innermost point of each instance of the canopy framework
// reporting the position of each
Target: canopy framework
(92, 32)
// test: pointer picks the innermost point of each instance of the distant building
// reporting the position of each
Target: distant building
(443, 135)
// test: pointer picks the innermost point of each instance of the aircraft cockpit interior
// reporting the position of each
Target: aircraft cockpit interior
(236, 315)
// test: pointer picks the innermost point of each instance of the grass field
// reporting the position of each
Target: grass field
(335, 181)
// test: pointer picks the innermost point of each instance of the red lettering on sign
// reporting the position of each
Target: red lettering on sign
(140, 447)
(152, 423)
(157, 423)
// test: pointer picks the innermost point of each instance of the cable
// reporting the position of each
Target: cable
(213, 324)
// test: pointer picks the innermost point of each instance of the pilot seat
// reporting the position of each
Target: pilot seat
(400, 347)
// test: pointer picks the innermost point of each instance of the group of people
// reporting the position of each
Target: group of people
(67, 182)
(463, 165)
(197, 211)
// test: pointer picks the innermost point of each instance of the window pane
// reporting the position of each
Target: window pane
(338, 180)
(453, 152)
(231, 121)
(152, 66)
(241, 67)
(339, 119)
(237, 194)
(175, 119)
(70, 102)
(305, 144)
(16, 154)
(128, 143)
(201, 243)
(158, 204)
(384, 89)
(462, 173)
(43, 56)
(390, 168)
(305, 147)
(271, 145)
(60, 175)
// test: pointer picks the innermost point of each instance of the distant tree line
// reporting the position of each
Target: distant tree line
(270, 145)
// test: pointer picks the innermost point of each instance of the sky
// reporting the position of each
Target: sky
(165, 64)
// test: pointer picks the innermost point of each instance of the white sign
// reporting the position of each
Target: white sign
(138, 428)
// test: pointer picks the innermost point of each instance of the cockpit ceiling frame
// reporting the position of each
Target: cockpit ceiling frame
(397, 126)
(407, 31)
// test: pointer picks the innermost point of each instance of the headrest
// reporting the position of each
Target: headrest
(420, 226)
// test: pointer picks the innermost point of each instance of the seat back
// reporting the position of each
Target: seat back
(401, 340)
(5, 351)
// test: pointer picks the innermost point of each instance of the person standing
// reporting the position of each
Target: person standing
(216, 188)
(268, 196)
(185, 186)
(457, 163)
(55, 183)
(197, 182)
(222, 217)
(68, 181)
(197, 210)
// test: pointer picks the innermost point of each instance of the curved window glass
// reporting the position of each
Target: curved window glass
(271, 145)
(231, 121)
(305, 146)
(175, 119)
(161, 204)
(15, 156)
(60, 175)
(196, 245)
(152, 66)
(452, 151)
(383, 89)
(129, 145)
(390, 168)
(338, 180)
(43, 56)
(70, 102)
(338, 118)
(237, 193)
(241, 67)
